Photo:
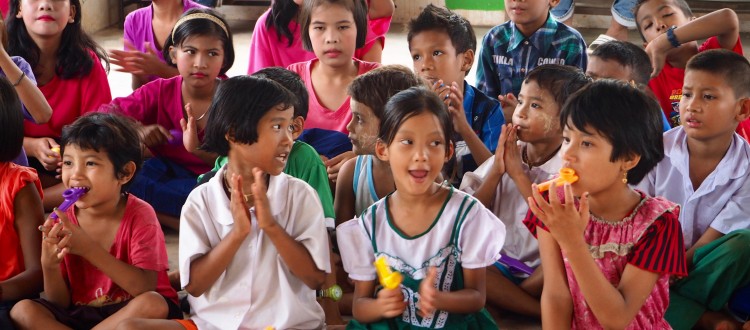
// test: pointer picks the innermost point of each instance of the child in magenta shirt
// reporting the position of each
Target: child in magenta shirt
(146, 31)
(201, 48)
(276, 42)
(69, 73)
(105, 259)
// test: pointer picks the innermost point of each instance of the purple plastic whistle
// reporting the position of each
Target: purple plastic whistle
(71, 195)
(515, 265)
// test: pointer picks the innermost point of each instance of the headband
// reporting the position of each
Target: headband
(209, 17)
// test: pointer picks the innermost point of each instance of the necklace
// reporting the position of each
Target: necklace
(228, 189)
(525, 157)
(201, 117)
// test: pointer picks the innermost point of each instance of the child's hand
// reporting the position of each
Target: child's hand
(657, 51)
(391, 302)
(189, 130)
(52, 235)
(566, 223)
(238, 207)
(136, 62)
(499, 164)
(441, 89)
(333, 165)
(154, 135)
(512, 156)
(262, 206)
(76, 241)
(428, 293)
(42, 150)
(455, 104)
(508, 102)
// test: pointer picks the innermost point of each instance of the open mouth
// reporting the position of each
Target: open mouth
(419, 175)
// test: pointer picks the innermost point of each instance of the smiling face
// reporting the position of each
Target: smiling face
(333, 34)
(46, 18)
(199, 60)
(416, 154)
(434, 57)
(271, 151)
(654, 17)
(709, 107)
(93, 170)
(363, 128)
(537, 115)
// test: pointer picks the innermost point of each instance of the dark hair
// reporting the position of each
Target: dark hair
(4, 33)
(559, 80)
(733, 68)
(73, 58)
(413, 102)
(292, 82)
(108, 132)
(628, 55)
(375, 87)
(628, 118)
(11, 120)
(237, 107)
(282, 12)
(357, 7)
(201, 27)
(434, 18)
(681, 4)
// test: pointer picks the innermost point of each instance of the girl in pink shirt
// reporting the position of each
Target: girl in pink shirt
(173, 111)
(276, 36)
(68, 70)
(332, 29)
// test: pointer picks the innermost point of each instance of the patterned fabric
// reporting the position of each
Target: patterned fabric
(649, 238)
(507, 55)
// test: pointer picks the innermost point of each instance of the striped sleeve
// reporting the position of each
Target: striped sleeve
(532, 222)
(660, 249)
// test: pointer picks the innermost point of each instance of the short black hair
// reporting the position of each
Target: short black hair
(292, 82)
(237, 107)
(409, 103)
(357, 7)
(114, 134)
(434, 18)
(681, 4)
(377, 86)
(11, 120)
(202, 27)
(628, 55)
(733, 68)
(559, 80)
(628, 118)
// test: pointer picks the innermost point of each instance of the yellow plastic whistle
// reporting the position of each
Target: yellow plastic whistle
(388, 278)
(567, 175)
(55, 149)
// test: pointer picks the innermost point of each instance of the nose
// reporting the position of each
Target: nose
(427, 63)
(287, 137)
(420, 154)
(691, 104)
(332, 36)
(200, 61)
(521, 111)
(568, 151)
(45, 5)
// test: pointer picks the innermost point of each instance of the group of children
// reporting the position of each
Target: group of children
(427, 173)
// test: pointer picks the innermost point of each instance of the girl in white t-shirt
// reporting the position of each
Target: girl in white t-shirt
(440, 239)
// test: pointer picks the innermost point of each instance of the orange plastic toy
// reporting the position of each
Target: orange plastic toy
(567, 175)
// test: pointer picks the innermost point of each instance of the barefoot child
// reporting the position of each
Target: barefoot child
(105, 261)
(608, 251)
(439, 238)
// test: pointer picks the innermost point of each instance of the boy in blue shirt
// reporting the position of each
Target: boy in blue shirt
(530, 38)
(442, 46)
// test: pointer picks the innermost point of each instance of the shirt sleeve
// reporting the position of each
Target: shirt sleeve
(734, 215)
(492, 126)
(26, 69)
(533, 222)
(309, 225)
(355, 245)
(129, 27)
(578, 58)
(481, 238)
(141, 105)
(487, 80)
(194, 241)
(660, 249)
(474, 179)
(147, 247)
(95, 89)
(313, 171)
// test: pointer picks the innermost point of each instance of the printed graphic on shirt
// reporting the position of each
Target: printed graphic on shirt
(674, 115)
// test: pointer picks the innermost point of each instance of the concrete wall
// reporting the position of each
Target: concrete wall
(100, 14)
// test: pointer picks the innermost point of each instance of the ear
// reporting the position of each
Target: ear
(449, 154)
(172, 56)
(381, 150)
(554, 3)
(128, 170)
(299, 124)
(468, 60)
(630, 162)
(72, 17)
(744, 113)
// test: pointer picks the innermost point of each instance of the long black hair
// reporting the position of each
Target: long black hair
(73, 55)
(282, 12)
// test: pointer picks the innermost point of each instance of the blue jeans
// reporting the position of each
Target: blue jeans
(622, 11)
